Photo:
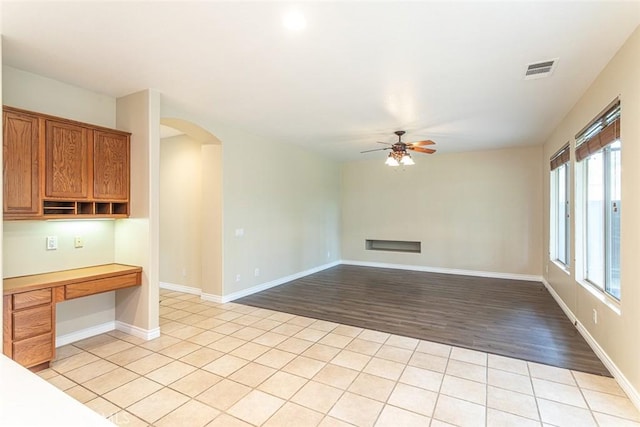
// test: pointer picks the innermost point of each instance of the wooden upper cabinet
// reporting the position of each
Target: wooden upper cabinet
(66, 160)
(59, 168)
(110, 165)
(21, 154)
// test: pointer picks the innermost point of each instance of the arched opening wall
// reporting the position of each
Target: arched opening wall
(190, 209)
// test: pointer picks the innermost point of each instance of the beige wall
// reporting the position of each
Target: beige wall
(137, 238)
(211, 239)
(28, 237)
(191, 209)
(37, 93)
(181, 211)
(616, 334)
(285, 198)
(22, 89)
(476, 211)
(287, 201)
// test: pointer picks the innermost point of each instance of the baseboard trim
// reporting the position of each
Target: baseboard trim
(145, 334)
(107, 327)
(477, 273)
(561, 303)
(622, 380)
(85, 333)
(264, 286)
(211, 297)
(180, 288)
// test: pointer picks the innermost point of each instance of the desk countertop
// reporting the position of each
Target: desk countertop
(13, 285)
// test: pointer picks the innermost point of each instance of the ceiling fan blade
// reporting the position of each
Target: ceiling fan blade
(421, 143)
(385, 143)
(375, 149)
(422, 150)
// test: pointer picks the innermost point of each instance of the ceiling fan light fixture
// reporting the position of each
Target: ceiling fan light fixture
(407, 160)
(392, 161)
(399, 154)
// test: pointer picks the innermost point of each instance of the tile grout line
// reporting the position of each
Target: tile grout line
(533, 390)
(446, 367)
(486, 393)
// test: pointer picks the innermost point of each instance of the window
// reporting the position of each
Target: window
(598, 150)
(559, 240)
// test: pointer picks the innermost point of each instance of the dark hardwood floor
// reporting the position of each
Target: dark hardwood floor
(507, 317)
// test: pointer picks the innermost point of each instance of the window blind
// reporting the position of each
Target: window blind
(560, 158)
(602, 131)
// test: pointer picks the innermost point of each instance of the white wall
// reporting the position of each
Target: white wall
(617, 334)
(181, 211)
(477, 211)
(23, 241)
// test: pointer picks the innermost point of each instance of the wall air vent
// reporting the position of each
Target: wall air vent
(538, 70)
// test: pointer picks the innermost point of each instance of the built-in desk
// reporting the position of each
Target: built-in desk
(29, 306)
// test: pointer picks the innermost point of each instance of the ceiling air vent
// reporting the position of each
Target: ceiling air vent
(538, 70)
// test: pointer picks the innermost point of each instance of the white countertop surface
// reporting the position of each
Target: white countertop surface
(28, 400)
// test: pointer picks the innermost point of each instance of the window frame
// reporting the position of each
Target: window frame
(600, 142)
(555, 249)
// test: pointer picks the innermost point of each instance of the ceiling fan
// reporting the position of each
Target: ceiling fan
(399, 155)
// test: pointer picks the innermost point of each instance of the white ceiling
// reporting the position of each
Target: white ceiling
(448, 71)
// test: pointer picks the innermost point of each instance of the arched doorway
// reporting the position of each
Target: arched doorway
(190, 208)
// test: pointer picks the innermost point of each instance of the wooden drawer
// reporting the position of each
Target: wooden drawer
(7, 329)
(31, 299)
(97, 286)
(33, 351)
(29, 323)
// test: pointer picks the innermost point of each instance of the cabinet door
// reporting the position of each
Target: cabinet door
(20, 151)
(66, 160)
(110, 165)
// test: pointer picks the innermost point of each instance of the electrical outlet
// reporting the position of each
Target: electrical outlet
(52, 243)
(239, 232)
(184, 272)
(78, 242)
(595, 316)
(237, 277)
(256, 272)
(328, 254)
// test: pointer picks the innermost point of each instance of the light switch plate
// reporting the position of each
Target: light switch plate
(52, 243)
(78, 242)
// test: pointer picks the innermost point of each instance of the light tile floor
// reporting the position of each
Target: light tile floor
(233, 365)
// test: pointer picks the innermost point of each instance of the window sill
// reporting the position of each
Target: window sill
(561, 266)
(613, 304)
